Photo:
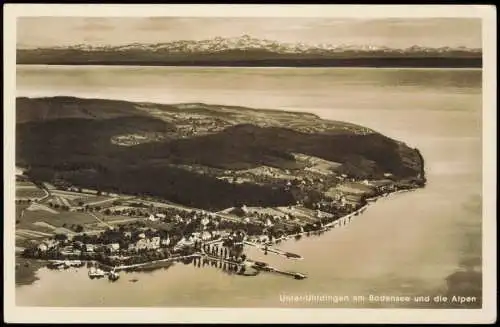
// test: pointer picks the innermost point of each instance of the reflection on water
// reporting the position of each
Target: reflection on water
(426, 242)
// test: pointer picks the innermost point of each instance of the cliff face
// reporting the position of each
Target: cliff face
(144, 148)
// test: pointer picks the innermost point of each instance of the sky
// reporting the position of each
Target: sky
(390, 32)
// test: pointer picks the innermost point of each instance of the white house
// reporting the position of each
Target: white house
(264, 238)
(42, 247)
(114, 247)
(161, 216)
(89, 247)
(204, 236)
(205, 221)
(141, 244)
(50, 243)
(165, 241)
(155, 241)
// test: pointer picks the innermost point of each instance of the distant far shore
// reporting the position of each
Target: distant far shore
(342, 62)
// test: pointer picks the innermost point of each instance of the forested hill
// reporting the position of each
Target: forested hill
(147, 148)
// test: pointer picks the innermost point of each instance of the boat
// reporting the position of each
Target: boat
(96, 273)
(299, 276)
(113, 275)
(133, 280)
(260, 264)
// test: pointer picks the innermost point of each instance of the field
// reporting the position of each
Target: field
(24, 184)
(33, 224)
(356, 188)
(301, 214)
(28, 193)
(71, 199)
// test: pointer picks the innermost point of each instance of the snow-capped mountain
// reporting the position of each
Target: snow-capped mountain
(248, 43)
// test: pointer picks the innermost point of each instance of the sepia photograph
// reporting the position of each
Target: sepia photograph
(214, 157)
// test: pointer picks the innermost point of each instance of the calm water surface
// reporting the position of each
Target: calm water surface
(406, 244)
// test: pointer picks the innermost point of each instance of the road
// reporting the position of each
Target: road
(101, 221)
(101, 201)
(179, 207)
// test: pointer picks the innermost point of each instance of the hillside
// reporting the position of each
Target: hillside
(184, 152)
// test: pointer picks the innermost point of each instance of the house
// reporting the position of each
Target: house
(165, 241)
(127, 234)
(205, 221)
(263, 238)
(152, 218)
(161, 216)
(113, 247)
(50, 243)
(89, 247)
(132, 247)
(352, 199)
(78, 244)
(141, 235)
(204, 236)
(156, 241)
(184, 243)
(42, 247)
(141, 244)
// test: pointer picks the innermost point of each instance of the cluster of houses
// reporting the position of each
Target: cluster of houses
(69, 248)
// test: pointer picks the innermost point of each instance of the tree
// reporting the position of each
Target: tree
(61, 237)
(79, 229)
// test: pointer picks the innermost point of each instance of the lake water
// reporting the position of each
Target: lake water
(406, 244)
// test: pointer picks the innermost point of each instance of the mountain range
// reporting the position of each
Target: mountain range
(247, 51)
(246, 42)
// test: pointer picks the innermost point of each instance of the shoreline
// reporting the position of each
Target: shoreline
(91, 65)
(339, 220)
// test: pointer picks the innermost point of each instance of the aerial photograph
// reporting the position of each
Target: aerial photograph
(248, 162)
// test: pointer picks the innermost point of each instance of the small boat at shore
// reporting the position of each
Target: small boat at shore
(113, 276)
(96, 273)
(299, 276)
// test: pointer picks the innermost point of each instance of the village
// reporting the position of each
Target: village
(68, 225)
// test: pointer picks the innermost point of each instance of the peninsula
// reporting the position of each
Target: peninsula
(129, 185)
